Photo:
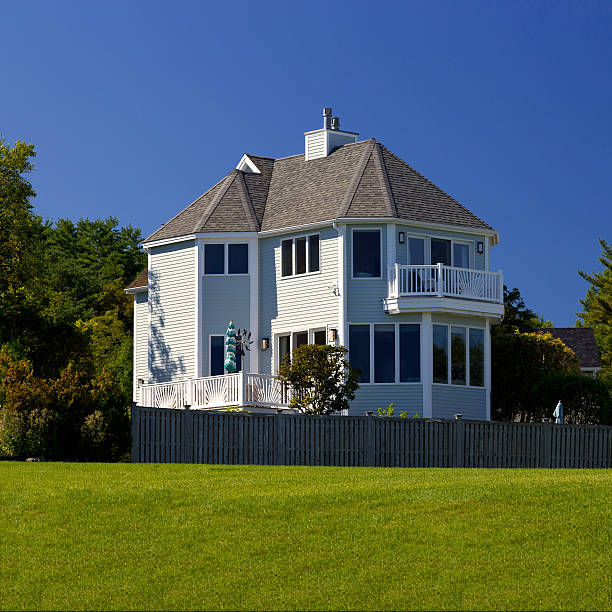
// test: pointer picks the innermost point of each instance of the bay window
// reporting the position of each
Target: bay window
(226, 259)
(459, 354)
(367, 254)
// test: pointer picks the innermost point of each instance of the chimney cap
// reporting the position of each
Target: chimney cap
(335, 123)
(327, 111)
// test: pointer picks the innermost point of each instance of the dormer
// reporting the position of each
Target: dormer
(320, 143)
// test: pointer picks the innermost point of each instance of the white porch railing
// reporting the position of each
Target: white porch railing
(241, 389)
(445, 281)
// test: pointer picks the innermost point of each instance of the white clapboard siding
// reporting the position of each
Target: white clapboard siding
(172, 307)
(141, 336)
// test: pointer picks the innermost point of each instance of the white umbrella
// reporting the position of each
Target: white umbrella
(558, 413)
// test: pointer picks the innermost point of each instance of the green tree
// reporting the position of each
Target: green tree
(597, 309)
(519, 361)
(518, 316)
(322, 380)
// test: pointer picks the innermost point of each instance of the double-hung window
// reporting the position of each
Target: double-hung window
(226, 258)
(375, 349)
(300, 255)
(458, 355)
(367, 256)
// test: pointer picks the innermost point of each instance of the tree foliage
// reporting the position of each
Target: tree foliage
(65, 324)
(322, 380)
(597, 309)
(519, 361)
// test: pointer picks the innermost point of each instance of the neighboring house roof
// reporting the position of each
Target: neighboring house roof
(363, 179)
(581, 340)
(141, 281)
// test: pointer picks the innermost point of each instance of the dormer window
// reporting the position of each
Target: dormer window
(300, 255)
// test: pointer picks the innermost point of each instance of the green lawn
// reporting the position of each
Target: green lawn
(120, 536)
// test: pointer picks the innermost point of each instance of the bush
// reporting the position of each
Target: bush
(585, 400)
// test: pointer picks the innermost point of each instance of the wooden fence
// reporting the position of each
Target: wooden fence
(162, 435)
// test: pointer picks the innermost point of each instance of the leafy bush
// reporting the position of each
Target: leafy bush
(321, 379)
(585, 400)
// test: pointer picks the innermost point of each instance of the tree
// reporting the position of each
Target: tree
(519, 361)
(597, 309)
(321, 379)
(518, 316)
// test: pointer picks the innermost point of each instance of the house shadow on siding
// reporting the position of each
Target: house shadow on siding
(162, 365)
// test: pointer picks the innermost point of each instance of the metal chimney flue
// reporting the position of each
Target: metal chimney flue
(335, 123)
(327, 118)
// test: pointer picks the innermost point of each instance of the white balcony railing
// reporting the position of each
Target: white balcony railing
(445, 281)
(241, 389)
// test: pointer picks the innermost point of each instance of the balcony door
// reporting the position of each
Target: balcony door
(440, 251)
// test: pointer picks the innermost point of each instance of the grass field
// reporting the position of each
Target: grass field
(120, 536)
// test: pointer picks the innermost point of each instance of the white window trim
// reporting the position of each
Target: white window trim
(291, 333)
(382, 266)
(397, 351)
(293, 239)
(226, 244)
(467, 356)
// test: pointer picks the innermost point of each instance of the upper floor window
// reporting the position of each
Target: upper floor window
(226, 259)
(300, 255)
(367, 257)
(448, 252)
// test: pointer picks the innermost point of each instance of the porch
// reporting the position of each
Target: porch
(242, 389)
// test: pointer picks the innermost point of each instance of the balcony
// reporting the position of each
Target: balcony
(444, 289)
(242, 389)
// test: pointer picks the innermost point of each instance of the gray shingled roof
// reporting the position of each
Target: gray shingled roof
(142, 280)
(363, 179)
(581, 340)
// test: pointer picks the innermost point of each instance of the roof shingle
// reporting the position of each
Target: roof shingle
(581, 340)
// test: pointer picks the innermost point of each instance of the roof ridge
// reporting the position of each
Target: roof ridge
(356, 180)
(435, 186)
(247, 203)
(386, 187)
(216, 200)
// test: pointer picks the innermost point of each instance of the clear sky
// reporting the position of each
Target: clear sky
(136, 108)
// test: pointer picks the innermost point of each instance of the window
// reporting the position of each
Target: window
(384, 353)
(440, 354)
(284, 348)
(214, 259)
(461, 255)
(299, 255)
(359, 346)
(300, 339)
(217, 355)
(238, 258)
(319, 336)
(476, 357)
(366, 254)
(416, 251)
(440, 251)
(466, 355)
(226, 259)
(390, 343)
(410, 352)
(458, 355)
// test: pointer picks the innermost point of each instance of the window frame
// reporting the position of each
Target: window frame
(471, 244)
(380, 277)
(468, 383)
(224, 373)
(291, 333)
(226, 244)
(293, 240)
(397, 351)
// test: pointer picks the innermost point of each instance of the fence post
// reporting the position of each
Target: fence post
(135, 416)
(459, 444)
(370, 441)
(546, 445)
(187, 442)
(279, 439)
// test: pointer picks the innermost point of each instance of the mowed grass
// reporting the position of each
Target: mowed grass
(120, 536)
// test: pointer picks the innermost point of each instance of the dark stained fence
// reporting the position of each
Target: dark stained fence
(162, 435)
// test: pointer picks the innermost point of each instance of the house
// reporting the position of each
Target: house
(344, 243)
(582, 341)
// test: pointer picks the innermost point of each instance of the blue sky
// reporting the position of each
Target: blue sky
(136, 108)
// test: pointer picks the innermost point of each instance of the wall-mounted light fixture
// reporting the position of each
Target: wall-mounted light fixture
(480, 248)
(332, 334)
(265, 344)
(402, 237)
(140, 382)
